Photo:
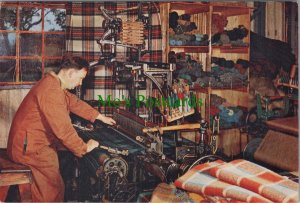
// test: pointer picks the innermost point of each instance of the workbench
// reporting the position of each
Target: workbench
(286, 125)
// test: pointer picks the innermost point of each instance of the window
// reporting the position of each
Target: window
(32, 40)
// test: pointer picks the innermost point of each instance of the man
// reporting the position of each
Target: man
(42, 118)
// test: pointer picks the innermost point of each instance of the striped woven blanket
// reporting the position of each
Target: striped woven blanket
(238, 180)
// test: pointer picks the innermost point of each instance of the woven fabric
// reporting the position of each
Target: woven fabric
(200, 181)
(85, 26)
(257, 179)
(169, 193)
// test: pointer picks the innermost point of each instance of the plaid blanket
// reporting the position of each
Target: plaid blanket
(169, 193)
(257, 179)
(199, 180)
(238, 180)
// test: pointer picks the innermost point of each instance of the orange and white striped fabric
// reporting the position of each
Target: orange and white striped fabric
(238, 180)
(257, 179)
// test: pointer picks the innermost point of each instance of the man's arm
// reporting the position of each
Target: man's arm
(54, 109)
(85, 111)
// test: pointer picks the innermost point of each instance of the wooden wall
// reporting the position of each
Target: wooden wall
(275, 23)
(9, 103)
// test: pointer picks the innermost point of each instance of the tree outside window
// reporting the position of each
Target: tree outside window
(32, 40)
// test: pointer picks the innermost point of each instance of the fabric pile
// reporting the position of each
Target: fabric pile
(237, 181)
(180, 28)
(222, 77)
(219, 23)
(232, 37)
(224, 73)
(230, 116)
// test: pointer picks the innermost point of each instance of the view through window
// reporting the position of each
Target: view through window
(32, 40)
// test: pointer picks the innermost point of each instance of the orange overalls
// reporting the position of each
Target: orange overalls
(42, 118)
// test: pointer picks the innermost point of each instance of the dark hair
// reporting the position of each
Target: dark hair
(75, 62)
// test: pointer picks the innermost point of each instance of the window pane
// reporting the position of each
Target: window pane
(31, 44)
(55, 19)
(7, 44)
(30, 19)
(7, 70)
(8, 18)
(52, 65)
(54, 45)
(31, 70)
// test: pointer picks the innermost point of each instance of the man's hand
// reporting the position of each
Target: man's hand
(106, 120)
(91, 144)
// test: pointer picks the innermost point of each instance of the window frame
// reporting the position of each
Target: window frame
(18, 32)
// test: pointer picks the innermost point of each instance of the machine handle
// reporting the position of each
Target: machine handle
(173, 127)
(115, 151)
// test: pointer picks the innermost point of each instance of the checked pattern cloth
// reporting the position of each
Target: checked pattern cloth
(238, 180)
(85, 25)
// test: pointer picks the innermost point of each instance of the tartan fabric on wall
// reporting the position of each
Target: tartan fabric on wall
(84, 27)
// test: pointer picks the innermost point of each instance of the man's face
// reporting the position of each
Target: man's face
(75, 77)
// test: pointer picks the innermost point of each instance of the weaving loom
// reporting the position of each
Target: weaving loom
(131, 160)
(108, 174)
(134, 156)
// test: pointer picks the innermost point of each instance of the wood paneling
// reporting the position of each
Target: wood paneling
(9, 103)
(275, 24)
(232, 142)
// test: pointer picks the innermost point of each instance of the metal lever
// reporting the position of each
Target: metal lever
(115, 150)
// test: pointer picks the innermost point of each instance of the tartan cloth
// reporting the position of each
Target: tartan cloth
(84, 26)
(169, 193)
(199, 180)
(257, 179)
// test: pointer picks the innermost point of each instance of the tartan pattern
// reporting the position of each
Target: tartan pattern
(84, 27)
(257, 179)
(238, 180)
(169, 193)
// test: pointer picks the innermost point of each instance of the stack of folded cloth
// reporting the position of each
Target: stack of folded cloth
(236, 181)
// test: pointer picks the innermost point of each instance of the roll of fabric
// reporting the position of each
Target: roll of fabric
(172, 42)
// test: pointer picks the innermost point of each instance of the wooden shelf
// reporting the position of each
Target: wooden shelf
(232, 49)
(194, 49)
(190, 8)
(240, 89)
(236, 13)
(206, 89)
(233, 10)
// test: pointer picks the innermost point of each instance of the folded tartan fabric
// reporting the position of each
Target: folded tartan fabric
(169, 193)
(199, 180)
(257, 179)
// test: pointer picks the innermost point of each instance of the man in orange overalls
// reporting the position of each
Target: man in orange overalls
(42, 118)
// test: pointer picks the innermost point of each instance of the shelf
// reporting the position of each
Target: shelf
(190, 8)
(233, 10)
(206, 89)
(232, 49)
(194, 49)
(236, 13)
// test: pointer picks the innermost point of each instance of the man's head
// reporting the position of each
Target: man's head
(72, 71)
